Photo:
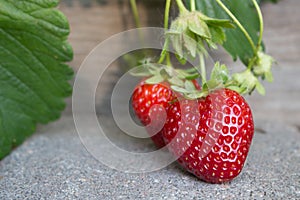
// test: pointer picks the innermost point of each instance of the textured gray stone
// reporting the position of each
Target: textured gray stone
(53, 164)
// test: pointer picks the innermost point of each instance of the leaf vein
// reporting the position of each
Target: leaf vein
(35, 57)
(25, 85)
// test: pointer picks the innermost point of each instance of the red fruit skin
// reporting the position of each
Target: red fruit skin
(144, 97)
(210, 137)
(151, 101)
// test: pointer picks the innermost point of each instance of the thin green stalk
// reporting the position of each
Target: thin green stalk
(167, 13)
(261, 24)
(181, 6)
(166, 26)
(238, 24)
(169, 63)
(251, 62)
(165, 52)
(202, 68)
(135, 13)
(137, 21)
(193, 5)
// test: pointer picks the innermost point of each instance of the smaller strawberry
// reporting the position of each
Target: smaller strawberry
(144, 97)
(210, 136)
(150, 103)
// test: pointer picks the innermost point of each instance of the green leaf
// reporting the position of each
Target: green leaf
(181, 59)
(218, 35)
(177, 42)
(189, 74)
(141, 70)
(219, 22)
(190, 44)
(236, 43)
(176, 81)
(238, 89)
(220, 73)
(33, 76)
(213, 84)
(205, 87)
(189, 85)
(168, 70)
(179, 89)
(200, 28)
(273, 1)
(155, 79)
(196, 95)
(260, 88)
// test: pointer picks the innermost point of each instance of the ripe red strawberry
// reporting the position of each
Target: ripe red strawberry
(210, 137)
(144, 97)
(150, 101)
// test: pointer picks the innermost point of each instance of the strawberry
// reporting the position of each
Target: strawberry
(210, 136)
(150, 101)
(144, 97)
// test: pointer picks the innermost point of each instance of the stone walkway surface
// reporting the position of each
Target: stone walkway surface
(53, 164)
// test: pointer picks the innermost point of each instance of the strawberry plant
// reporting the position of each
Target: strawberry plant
(209, 128)
(33, 74)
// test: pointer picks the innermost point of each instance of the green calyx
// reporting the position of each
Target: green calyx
(218, 78)
(245, 83)
(191, 30)
(263, 65)
(157, 73)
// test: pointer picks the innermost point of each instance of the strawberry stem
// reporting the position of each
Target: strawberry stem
(202, 68)
(168, 60)
(135, 13)
(165, 52)
(166, 26)
(239, 25)
(261, 24)
(181, 6)
(193, 5)
(251, 62)
(137, 19)
(167, 12)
